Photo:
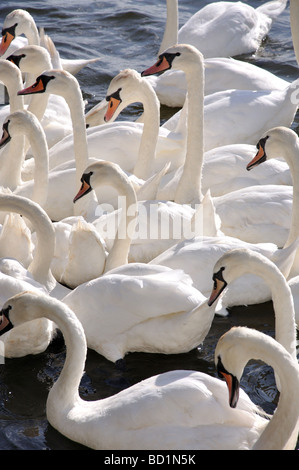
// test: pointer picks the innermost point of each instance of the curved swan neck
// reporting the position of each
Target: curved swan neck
(170, 37)
(285, 326)
(282, 430)
(119, 252)
(290, 154)
(189, 187)
(40, 265)
(37, 139)
(30, 30)
(65, 391)
(72, 94)
(151, 123)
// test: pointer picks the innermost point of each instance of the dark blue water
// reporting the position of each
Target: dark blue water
(123, 34)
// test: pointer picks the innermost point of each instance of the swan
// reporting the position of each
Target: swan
(108, 423)
(19, 22)
(149, 302)
(233, 116)
(146, 228)
(113, 340)
(281, 142)
(51, 110)
(227, 29)
(248, 213)
(224, 168)
(221, 73)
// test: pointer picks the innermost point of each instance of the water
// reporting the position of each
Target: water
(123, 34)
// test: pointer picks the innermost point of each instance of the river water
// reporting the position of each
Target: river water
(123, 33)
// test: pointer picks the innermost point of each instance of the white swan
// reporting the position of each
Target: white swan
(281, 142)
(128, 420)
(221, 73)
(227, 29)
(242, 212)
(224, 168)
(111, 339)
(146, 228)
(235, 116)
(148, 302)
(19, 22)
(51, 110)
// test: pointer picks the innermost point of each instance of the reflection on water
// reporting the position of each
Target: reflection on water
(124, 34)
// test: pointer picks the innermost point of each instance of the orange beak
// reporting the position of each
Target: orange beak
(37, 87)
(85, 188)
(218, 288)
(259, 158)
(159, 66)
(112, 107)
(5, 43)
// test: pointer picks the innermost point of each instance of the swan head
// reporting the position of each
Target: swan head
(32, 59)
(57, 82)
(102, 173)
(125, 88)
(15, 24)
(179, 57)
(18, 310)
(275, 143)
(234, 264)
(231, 358)
(18, 123)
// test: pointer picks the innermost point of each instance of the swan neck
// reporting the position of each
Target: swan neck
(149, 139)
(65, 392)
(170, 37)
(119, 252)
(285, 327)
(11, 163)
(282, 430)
(291, 154)
(31, 33)
(45, 235)
(41, 164)
(190, 186)
(73, 97)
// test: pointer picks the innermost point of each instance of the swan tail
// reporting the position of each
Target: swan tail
(148, 191)
(273, 9)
